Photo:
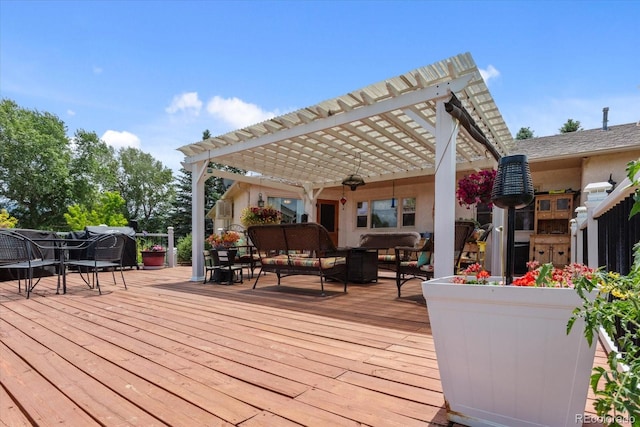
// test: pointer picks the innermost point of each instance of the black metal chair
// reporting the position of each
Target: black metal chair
(19, 253)
(103, 252)
(209, 267)
(223, 266)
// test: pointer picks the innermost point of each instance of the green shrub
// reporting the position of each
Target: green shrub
(184, 249)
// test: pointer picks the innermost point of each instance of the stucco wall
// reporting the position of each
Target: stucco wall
(598, 168)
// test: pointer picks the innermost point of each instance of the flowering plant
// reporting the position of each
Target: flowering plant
(148, 245)
(616, 387)
(546, 275)
(253, 215)
(474, 274)
(227, 238)
(476, 188)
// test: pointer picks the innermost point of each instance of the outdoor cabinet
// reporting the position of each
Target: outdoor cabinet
(551, 249)
(551, 241)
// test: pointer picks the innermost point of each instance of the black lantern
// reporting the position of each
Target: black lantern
(512, 189)
(260, 201)
(354, 181)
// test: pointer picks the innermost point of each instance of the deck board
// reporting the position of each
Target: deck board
(169, 351)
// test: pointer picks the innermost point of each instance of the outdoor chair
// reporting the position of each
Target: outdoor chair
(220, 263)
(19, 253)
(103, 252)
(415, 263)
(246, 255)
(479, 237)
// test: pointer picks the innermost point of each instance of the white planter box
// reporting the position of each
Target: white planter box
(504, 356)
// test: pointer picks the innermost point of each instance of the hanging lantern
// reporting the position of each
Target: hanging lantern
(343, 199)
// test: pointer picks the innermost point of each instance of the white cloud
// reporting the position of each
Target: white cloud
(97, 70)
(187, 102)
(121, 139)
(489, 73)
(236, 112)
(71, 113)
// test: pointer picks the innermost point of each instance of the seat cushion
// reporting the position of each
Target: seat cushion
(386, 259)
(305, 262)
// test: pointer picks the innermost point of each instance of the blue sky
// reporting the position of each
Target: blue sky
(156, 74)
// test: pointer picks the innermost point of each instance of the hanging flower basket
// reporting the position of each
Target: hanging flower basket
(254, 215)
(476, 188)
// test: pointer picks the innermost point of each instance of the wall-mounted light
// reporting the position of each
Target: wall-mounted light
(260, 201)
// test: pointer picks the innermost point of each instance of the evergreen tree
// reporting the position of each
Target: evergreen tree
(524, 133)
(570, 126)
(214, 188)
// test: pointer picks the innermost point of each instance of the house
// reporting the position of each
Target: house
(410, 138)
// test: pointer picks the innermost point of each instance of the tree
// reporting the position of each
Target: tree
(180, 217)
(524, 133)
(146, 186)
(570, 126)
(214, 188)
(106, 210)
(93, 168)
(34, 176)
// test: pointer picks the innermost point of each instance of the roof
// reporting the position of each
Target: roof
(384, 131)
(580, 143)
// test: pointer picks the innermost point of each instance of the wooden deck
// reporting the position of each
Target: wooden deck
(168, 351)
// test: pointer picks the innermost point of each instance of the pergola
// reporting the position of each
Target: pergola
(429, 121)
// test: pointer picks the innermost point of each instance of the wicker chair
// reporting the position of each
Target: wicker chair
(415, 263)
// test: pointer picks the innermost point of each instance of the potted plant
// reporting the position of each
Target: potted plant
(541, 369)
(254, 215)
(224, 240)
(153, 256)
(476, 188)
(503, 352)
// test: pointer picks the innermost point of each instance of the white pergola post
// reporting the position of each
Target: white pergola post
(445, 191)
(198, 178)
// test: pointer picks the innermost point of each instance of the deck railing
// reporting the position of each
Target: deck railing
(605, 225)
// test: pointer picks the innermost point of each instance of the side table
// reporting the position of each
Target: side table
(363, 265)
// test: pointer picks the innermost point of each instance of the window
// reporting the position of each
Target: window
(484, 214)
(292, 209)
(524, 217)
(361, 214)
(409, 212)
(383, 215)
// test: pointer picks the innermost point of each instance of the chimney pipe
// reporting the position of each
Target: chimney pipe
(605, 120)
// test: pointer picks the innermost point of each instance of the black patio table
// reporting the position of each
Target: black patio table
(61, 247)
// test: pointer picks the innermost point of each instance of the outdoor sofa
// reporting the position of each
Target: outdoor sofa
(385, 244)
(299, 249)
